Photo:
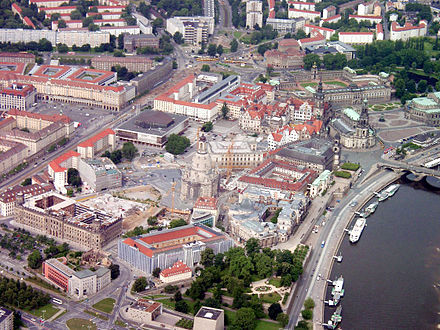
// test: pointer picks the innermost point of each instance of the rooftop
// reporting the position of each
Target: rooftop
(209, 313)
(178, 268)
(351, 113)
(152, 122)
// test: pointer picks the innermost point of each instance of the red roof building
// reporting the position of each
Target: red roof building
(178, 272)
(100, 142)
(28, 22)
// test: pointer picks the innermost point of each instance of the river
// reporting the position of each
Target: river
(390, 273)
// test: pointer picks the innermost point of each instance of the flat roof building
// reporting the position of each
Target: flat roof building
(100, 173)
(163, 248)
(6, 319)
(151, 128)
(208, 318)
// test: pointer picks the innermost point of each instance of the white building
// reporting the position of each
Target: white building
(366, 18)
(195, 30)
(326, 32)
(328, 12)
(302, 5)
(144, 311)
(365, 8)
(379, 32)
(17, 96)
(307, 14)
(331, 19)
(407, 31)
(178, 272)
(282, 137)
(284, 25)
(254, 13)
(320, 184)
(356, 37)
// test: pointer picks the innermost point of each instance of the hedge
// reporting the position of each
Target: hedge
(350, 166)
(342, 174)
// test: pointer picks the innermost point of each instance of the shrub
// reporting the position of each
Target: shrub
(350, 166)
(343, 174)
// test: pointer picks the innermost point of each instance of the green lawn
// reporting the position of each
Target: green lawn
(80, 324)
(275, 281)
(172, 304)
(311, 84)
(264, 325)
(155, 296)
(105, 305)
(270, 298)
(49, 311)
(237, 34)
(230, 315)
(337, 83)
(119, 323)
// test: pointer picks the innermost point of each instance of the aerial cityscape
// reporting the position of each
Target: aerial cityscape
(213, 164)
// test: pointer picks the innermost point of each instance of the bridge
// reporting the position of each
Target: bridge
(400, 167)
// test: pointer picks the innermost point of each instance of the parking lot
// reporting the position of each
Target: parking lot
(89, 117)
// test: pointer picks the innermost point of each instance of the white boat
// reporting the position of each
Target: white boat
(388, 192)
(391, 190)
(337, 291)
(370, 209)
(356, 232)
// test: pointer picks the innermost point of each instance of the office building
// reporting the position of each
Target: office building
(99, 173)
(163, 248)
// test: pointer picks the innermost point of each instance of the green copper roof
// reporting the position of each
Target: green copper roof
(424, 101)
(432, 111)
(351, 113)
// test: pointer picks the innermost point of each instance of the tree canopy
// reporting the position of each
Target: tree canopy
(177, 144)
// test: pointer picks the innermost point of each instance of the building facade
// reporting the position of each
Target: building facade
(424, 109)
(200, 178)
(132, 63)
(100, 173)
(163, 248)
(133, 41)
(66, 220)
(6, 319)
(254, 13)
(17, 96)
(176, 273)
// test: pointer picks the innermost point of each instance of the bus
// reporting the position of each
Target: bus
(387, 150)
(57, 301)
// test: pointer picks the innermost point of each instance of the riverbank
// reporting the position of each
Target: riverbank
(340, 221)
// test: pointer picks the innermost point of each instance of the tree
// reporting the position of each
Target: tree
(211, 302)
(174, 65)
(152, 221)
(252, 246)
(234, 45)
(177, 144)
(156, 272)
(75, 15)
(310, 60)
(283, 319)
(177, 223)
(62, 48)
(178, 38)
(69, 192)
(220, 50)
(309, 303)
(140, 284)
(422, 85)
(182, 306)
(263, 265)
(245, 319)
(35, 259)
(307, 314)
(73, 177)
(197, 305)
(437, 86)
(274, 310)
(207, 257)
(225, 110)
(178, 296)
(121, 41)
(206, 127)
(26, 182)
(93, 27)
(206, 68)
(114, 271)
(129, 151)
(212, 50)
(302, 325)
(87, 21)
(62, 24)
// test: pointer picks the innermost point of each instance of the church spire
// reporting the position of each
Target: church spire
(363, 118)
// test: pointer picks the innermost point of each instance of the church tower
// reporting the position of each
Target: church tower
(363, 118)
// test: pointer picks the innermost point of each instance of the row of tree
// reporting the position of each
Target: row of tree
(18, 294)
(128, 151)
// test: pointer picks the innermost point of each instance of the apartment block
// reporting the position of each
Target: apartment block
(17, 96)
(132, 63)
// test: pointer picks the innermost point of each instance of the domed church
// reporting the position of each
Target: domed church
(200, 179)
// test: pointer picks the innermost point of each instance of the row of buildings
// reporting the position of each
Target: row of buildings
(23, 135)
(69, 84)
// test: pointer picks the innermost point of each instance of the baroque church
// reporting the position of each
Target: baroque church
(200, 178)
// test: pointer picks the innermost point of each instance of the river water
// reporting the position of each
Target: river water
(391, 272)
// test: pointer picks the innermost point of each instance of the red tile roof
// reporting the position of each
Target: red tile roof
(21, 54)
(318, 37)
(24, 91)
(305, 11)
(178, 268)
(365, 17)
(28, 22)
(356, 33)
(10, 195)
(16, 7)
(379, 28)
(56, 163)
(19, 67)
(61, 69)
(51, 118)
(206, 202)
(408, 26)
(91, 142)
(318, 28)
(331, 18)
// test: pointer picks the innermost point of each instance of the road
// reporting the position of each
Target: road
(321, 258)
(225, 15)
(71, 145)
